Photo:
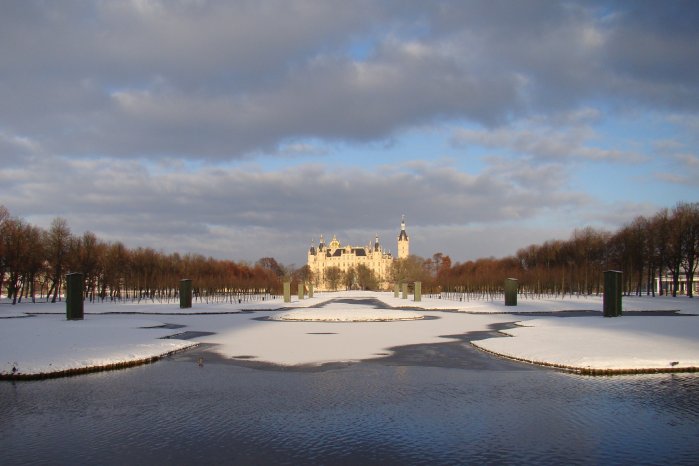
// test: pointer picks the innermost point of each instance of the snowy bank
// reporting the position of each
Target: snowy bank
(603, 345)
(48, 346)
(528, 304)
(315, 343)
(340, 312)
(128, 307)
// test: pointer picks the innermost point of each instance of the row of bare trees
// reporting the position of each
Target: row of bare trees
(34, 262)
(662, 245)
(361, 277)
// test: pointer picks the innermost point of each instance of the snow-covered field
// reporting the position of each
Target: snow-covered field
(339, 312)
(46, 342)
(596, 343)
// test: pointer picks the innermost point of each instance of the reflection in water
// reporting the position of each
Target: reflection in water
(178, 412)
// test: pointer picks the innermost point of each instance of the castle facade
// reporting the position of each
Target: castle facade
(340, 259)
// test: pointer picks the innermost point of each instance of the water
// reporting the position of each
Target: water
(387, 412)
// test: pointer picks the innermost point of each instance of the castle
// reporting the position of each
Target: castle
(340, 258)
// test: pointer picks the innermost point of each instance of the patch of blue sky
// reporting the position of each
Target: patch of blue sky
(425, 144)
(637, 129)
(638, 183)
(650, 178)
(361, 48)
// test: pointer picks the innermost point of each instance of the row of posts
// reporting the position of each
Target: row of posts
(402, 290)
(611, 301)
(75, 302)
(300, 293)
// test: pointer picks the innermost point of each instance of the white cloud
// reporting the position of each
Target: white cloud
(558, 139)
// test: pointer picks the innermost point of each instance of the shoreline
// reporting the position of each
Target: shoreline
(590, 371)
(567, 335)
(91, 369)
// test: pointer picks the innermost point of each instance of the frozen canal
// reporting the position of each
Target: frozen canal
(428, 404)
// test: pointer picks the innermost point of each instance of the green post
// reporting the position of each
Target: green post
(310, 290)
(287, 292)
(185, 293)
(396, 290)
(418, 292)
(74, 296)
(510, 292)
(300, 293)
(405, 291)
(612, 294)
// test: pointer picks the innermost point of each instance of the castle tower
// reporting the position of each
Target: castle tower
(403, 241)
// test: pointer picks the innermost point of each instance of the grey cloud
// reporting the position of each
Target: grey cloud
(222, 80)
(652, 49)
(124, 201)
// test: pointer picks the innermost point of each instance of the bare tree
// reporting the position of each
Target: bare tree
(57, 243)
(15, 247)
(688, 214)
(333, 276)
(4, 216)
(270, 263)
(349, 278)
(366, 279)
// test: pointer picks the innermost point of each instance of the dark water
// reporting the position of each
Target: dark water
(176, 412)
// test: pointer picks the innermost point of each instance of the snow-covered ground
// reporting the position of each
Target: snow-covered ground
(569, 303)
(51, 344)
(46, 342)
(311, 343)
(340, 312)
(601, 344)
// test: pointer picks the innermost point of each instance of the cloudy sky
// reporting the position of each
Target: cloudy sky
(246, 129)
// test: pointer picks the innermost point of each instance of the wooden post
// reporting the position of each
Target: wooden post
(417, 295)
(510, 292)
(310, 290)
(185, 293)
(300, 293)
(396, 290)
(74, 296)
(405, 291)
(287, 292)
(612, 294)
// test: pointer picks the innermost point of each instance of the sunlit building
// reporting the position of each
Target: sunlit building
(344, 258)
(666, 284)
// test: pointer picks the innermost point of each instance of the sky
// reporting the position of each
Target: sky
(247, 129)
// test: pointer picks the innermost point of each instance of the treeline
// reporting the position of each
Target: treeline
(665, 244)
(34, 262)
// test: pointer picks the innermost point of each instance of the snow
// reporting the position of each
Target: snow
(47, 344)
(314, 343)
(620, 343)
(129, 307)
(540, 305)
(114, 333)
(338, 312)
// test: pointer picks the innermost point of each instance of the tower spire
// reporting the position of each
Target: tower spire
(403, 241)
(403, 236)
